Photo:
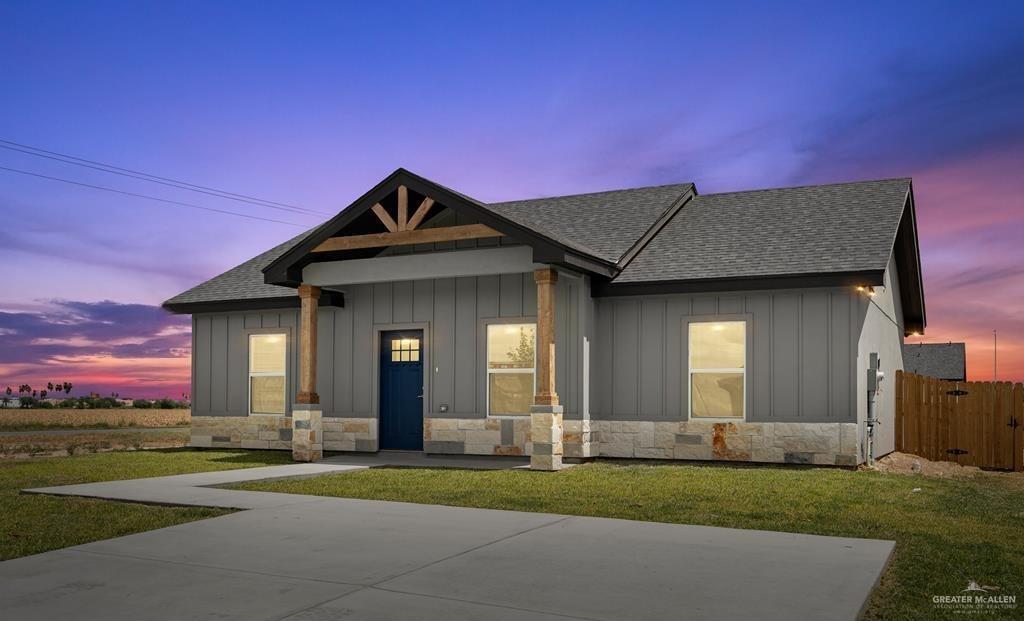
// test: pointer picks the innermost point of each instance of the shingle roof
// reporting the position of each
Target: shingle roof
(844, 227)
(244, 282)
(813, 229)
(942, 360)
(603, 224)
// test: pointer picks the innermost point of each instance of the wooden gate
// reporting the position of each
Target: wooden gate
(972, 423)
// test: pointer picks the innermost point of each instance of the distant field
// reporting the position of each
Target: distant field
(60, 418)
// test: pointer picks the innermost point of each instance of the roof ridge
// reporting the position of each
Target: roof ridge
(643, 187)
(809, 185)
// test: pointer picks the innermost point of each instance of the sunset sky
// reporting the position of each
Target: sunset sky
(310, 104)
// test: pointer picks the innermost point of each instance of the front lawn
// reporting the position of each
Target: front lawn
(948, 531)
(30, 523)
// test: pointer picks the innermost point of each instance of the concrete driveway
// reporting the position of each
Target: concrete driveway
(305, 557)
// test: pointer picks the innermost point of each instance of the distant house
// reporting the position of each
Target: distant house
(945, 361)
(652, 322)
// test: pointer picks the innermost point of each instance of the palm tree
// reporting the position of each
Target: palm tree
(67, 388)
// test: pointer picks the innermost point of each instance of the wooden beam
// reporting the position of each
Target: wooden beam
(421, 212)
(308, 296)
(406, 238)
(385, 217)
(545, 279)
(403, 207)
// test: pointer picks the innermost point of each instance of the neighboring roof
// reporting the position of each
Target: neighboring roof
(946, 361)
(847, 227)
(606, 224)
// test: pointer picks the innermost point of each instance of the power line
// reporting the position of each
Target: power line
(135, 174)
(152, 198)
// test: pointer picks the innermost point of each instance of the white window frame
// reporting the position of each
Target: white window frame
(487, 365)
(690, 372)
(251, 374)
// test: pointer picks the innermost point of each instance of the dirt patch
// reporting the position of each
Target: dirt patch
(905, 463)
(67, 418)
(29, 446)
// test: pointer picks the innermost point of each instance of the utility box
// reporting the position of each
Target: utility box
(875, 374)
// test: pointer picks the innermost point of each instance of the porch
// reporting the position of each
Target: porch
(431, 244)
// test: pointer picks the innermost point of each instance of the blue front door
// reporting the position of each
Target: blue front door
(401, 390)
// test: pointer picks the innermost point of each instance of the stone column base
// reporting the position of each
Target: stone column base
(307, 432)
(546, 434)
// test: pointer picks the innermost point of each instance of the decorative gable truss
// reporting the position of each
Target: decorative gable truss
(403, 231)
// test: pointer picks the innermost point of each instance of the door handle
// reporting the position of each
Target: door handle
(419, 396)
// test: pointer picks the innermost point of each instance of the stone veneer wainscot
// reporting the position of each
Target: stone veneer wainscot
(800, 443)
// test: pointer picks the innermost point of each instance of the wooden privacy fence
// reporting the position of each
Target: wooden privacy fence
(972, 423)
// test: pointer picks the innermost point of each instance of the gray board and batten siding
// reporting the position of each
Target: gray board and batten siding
(802, 348)
(454, 313)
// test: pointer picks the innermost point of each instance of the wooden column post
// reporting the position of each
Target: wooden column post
(310, 297)
(546, 279)
(307, 422)
(546, 413)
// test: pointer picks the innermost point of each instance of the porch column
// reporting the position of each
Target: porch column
(546, 413)
(307, 426)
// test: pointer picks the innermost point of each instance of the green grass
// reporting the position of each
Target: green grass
(949, 532)
(30, 523)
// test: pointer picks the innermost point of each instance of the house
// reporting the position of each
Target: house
(945, 361)
(652, 322)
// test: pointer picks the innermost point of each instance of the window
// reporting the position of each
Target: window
(405, 350)
(267, 361)
(511, 361)
(718, 352)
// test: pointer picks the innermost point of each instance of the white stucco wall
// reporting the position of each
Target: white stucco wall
(882, 333)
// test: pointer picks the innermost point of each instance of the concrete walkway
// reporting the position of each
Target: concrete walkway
(314, 558)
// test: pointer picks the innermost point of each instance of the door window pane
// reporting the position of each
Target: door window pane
(405, 350)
